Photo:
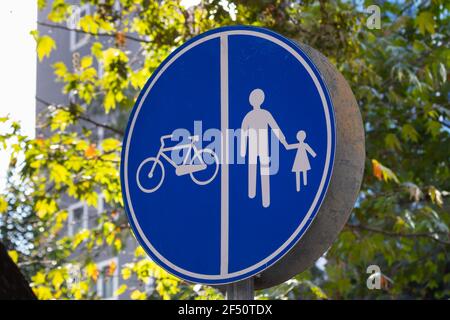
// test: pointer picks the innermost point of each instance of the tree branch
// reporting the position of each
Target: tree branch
(100, 34)
(398, 234)
(86, 119)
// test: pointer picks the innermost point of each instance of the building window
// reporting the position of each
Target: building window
(100, 70)
(150, 285)
(78, 218)
(105, 208)
(108, 278)
(77, 39)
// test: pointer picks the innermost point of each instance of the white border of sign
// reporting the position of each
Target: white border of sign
(230, 277)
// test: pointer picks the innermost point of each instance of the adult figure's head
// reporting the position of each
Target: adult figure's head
(256, 98)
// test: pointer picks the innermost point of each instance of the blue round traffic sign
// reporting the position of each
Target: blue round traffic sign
(228, 154)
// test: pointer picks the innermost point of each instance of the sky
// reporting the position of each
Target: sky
(17, 67)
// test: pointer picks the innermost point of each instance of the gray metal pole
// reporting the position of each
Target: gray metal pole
(242, 290)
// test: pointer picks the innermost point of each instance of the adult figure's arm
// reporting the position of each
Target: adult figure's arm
(276, 129)
(244, 136)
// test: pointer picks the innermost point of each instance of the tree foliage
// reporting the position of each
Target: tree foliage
(399, 75)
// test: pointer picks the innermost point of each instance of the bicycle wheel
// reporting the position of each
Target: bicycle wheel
(210, 172)
(146, 182)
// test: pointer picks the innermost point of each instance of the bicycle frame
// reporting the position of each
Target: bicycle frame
(162, 153)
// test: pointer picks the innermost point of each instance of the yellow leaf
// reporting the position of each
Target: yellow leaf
(381, 171)
(108, 228)
(377, 169)
(139, 252)
(58, 278)
(435, 195)
(318, 292)
(111, 55)
(92, 271)
(86, 62)
(88, 24)
(45, 207)
(110, 101)
(79, 238)
(126, 273)
(87, 75)
(79, 289)
(110, 144)
(43, 293)
(61, 120)
(13, 255)
(38, 278)
(45, 45)
(96, 50)
(60, 69)
(3, 205)
(112, 268)
(138, 295)
(58, 173)
(42, 4)
(110, 238)
(91, 199)
(118, 244)
(120, 290)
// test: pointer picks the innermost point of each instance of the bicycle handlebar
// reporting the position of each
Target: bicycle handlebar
(194, 138)
(167, 136)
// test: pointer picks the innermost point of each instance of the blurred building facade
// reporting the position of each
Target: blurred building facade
(71, 46)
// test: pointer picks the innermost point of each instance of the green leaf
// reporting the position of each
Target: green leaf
(433, 127)
(425, 22)
(409, 133)
(392, 142)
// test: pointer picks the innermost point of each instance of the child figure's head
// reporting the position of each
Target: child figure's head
(301, 135)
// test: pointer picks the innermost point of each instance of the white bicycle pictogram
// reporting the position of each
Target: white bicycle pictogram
(190, 165)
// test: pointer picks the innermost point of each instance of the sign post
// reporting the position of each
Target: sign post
(228, 156)
(242, 290)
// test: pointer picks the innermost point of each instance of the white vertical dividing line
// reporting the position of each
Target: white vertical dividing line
(224, 222)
